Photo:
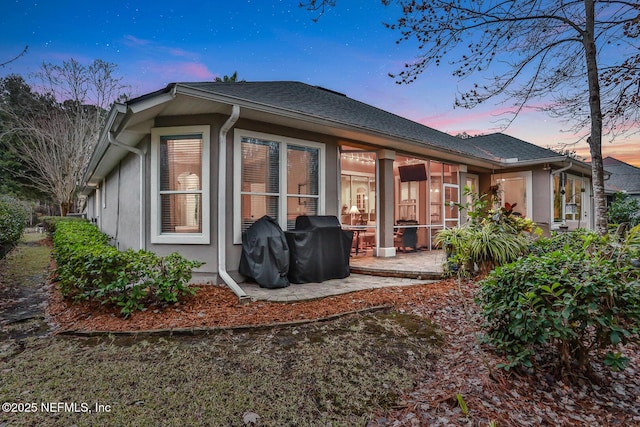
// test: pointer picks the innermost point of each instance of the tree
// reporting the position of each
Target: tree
(14, 172)
(465, 135)
(22, 53)
(578, 56)
(53, 131)
(229, 79)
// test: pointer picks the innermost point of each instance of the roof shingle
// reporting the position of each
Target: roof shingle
(332, 106)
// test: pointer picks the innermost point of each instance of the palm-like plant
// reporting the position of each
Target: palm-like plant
(487, 240)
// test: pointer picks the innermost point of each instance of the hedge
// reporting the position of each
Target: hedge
(13, 219)
(88, 268)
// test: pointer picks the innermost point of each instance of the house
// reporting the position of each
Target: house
(552, 189)
(623, 178)
(188, 168)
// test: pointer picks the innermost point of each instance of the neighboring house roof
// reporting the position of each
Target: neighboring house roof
(624, 177)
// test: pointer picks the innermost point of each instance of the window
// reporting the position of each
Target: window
(276, 176)
(515, 189)
(408, 206)
(180, 185)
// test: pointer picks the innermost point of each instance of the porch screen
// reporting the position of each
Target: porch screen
(181, 184)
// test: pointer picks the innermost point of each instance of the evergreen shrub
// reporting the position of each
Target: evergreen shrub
(13, 220)
(575, 300)
(89, 268)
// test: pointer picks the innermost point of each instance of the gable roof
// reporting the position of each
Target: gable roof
(328, 105)
(306, 107)
(508, 148)
(624, 177)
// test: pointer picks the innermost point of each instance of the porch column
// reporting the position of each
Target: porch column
(386, 203)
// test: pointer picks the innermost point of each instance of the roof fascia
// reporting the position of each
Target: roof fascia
(116, 123)
(556, 159)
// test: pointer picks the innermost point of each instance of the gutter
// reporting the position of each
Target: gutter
(222, 191)
(102, 145)
(141, 155)
(556, 172)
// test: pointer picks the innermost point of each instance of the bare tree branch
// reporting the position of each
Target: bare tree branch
(24, 52)
(54, 132)
(550, 50)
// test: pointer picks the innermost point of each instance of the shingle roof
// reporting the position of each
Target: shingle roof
(624, 177)
(501, 146)
(333, 106)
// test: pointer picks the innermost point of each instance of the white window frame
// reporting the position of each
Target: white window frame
(283, 195)
(528, 175)
(157, 236)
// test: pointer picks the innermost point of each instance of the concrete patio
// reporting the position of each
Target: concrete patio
(367, 272)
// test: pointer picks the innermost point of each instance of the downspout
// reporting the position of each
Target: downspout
(222, 192)
(566, 168)
(141, 155)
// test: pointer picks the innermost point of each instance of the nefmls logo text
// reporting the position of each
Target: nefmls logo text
(64, 407)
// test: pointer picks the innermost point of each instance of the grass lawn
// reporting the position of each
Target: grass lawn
(335, 372)
(27, 259)
(332, 373)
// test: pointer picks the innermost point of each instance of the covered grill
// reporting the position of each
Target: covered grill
(265, 254)
(319, 249)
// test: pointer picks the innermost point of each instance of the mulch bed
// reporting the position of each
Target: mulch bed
(217, 307)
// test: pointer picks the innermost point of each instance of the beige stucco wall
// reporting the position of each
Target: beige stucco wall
(119, 204)
(208, 253)
(541, 197)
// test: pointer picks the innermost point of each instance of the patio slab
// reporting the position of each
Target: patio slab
(406, 269)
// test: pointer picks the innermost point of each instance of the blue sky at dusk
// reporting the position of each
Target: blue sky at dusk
(348, 50)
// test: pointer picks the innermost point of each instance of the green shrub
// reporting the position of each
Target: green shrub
(624, 209)
(89, 268)
(13, 219)
(569, 305)
(579, 240)
(50, 222)
(488, 239)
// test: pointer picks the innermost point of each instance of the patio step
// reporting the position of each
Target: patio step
(405, 274)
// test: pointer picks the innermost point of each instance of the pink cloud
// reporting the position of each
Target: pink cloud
(167, 72)
(179, 52)
(466, 117)
(627, 153)
(154, 48)
(131, 40)
(196, 70)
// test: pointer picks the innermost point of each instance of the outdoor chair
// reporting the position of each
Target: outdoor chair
(406, 238)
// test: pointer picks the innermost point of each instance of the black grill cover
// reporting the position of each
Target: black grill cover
(265, 254)
(319, 249)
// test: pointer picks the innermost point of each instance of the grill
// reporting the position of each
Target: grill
(319, 249)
